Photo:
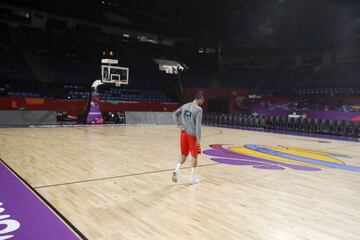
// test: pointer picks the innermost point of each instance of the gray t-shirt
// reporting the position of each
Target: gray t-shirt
(188, 117)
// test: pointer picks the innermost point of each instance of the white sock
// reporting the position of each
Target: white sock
(177, 169)
(193, 172)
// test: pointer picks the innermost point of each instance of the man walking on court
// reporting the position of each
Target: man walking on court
(188, 118)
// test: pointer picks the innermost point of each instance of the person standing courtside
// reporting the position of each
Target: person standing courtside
(188, 118)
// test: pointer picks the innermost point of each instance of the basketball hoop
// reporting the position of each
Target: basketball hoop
(117, 83)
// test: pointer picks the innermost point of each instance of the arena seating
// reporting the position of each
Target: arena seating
(285, 124)
(5, 40)
(310, 91)
(138, 95)
(71, 56)
(327, 92)
(301, 104)
(13, 67)
(21, 89)
(243, 78)
(197, 78)
(68, 70)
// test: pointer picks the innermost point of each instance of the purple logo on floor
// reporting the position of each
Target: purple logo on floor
(279, 157)
(24, 216)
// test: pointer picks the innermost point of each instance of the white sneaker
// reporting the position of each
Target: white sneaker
(194, 180)
(175, 177)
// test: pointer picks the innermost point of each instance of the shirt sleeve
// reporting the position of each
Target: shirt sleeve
(198, 124)
(176, 116)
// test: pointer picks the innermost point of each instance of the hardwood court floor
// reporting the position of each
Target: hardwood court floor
(115, 183)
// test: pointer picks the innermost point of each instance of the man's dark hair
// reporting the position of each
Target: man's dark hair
(199, 96)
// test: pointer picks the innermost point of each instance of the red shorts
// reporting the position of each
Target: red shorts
(188, 144)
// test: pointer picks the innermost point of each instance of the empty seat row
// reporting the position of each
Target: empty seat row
(283, 123)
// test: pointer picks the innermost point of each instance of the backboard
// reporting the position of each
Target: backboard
(112, 74)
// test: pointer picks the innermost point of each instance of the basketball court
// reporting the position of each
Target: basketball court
(100, 102)
(114, 182)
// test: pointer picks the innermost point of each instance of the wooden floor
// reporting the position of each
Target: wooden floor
(115, 183)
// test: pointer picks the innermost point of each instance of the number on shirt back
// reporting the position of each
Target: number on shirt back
(187, 115)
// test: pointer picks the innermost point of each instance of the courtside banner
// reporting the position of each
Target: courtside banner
(24, 215)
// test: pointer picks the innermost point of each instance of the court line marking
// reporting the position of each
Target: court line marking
(219, 132)
(119, 176)
(47, 203)
(340, 147)
(60, 215)
(83, 129)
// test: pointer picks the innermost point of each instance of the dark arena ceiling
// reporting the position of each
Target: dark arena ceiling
(304, 24)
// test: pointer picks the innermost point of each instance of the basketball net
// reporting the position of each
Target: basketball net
(118, 83)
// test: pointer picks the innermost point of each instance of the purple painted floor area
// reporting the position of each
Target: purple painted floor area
(24, 215)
